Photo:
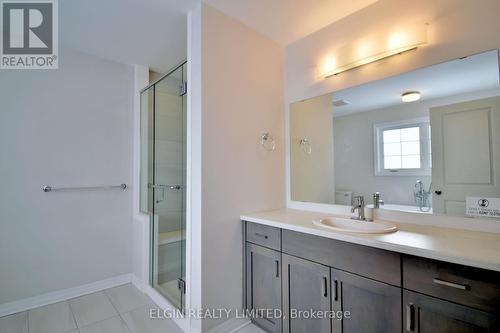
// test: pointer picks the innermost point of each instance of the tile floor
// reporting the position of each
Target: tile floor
(123, 309)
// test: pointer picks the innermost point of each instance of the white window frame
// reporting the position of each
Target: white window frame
(425, 148)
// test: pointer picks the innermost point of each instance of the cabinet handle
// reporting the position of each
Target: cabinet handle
(251, 279)
(325, 286)
(261, 235)
(451, 284)
(410, 327)
(277, 268)
(336, 290)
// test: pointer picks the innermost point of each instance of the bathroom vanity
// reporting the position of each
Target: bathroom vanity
(418, 279)
(432, 160)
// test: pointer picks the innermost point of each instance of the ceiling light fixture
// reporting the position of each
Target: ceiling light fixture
(373, 48)
(410, 96)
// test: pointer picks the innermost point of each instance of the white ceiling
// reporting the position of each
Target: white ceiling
(153, 33)
(474, 73)
(286, 21)
(146, 32)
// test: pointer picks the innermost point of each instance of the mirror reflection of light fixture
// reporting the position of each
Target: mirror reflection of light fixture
(410, 96)
(373, 48)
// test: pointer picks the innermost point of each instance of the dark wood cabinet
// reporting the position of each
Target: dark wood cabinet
(264, 235)
(306, 290)
(368, 306)
(384, 292)
(377, 264)
(426, 314)
(473, 287)
(263, 286)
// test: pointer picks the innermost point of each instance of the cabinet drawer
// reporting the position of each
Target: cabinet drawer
(264, 235)
(469, 286)
(366, 261)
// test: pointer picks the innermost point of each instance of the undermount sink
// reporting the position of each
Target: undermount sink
(349, 225)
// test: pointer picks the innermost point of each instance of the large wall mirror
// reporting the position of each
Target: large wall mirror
(427, 140)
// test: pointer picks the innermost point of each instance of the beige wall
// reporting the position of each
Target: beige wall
(242, 85)
(242, 97)
(456, 28)
(312, 175)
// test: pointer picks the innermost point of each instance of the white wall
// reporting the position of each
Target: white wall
(354, 152)
(456, 28)
(242, 97)
(140, 229)
(65, 127)
(194, 184)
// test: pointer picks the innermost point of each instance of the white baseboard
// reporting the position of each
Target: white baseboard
(63, 295)
(231, 326)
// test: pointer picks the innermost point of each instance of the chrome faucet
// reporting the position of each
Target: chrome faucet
(376, 200)
(359, 205)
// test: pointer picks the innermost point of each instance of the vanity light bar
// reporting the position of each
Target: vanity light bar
(374, 48)
(368, 60)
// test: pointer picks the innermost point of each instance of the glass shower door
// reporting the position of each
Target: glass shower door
(165, 128)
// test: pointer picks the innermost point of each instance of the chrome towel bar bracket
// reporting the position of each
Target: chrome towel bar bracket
(48, 188)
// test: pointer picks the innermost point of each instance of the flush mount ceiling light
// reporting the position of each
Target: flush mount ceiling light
(410, 96)
(373, 48)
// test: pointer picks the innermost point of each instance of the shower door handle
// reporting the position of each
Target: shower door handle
(164, 187)
(168, 187)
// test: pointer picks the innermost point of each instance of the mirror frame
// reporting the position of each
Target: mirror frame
(487, 224)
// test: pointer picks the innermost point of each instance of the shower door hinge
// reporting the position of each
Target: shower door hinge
(183, 89)
(181, 285)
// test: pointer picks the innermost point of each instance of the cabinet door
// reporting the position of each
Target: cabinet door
(306, 288)
(425, 314)
(373, 307)
(264, 286)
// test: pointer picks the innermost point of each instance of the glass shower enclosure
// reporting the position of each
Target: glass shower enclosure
(163, 181)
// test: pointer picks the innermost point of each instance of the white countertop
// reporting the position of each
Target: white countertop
(471, 248)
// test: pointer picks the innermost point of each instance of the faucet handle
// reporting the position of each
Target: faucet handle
(376, 200)
(359, 200)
